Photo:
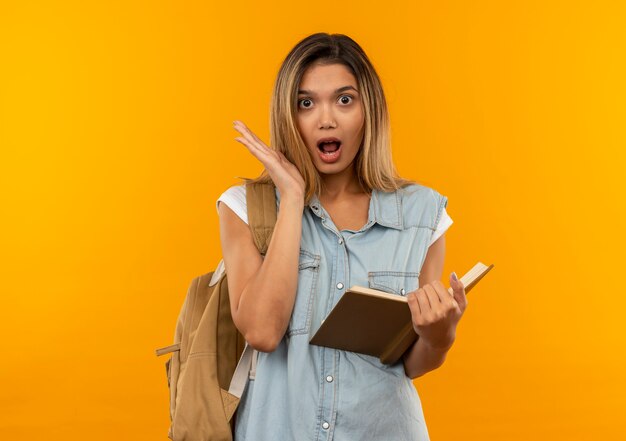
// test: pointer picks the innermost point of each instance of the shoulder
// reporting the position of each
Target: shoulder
(417, 191)
(235, 198)
(422, 206)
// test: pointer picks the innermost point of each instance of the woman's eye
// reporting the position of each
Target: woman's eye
(306, 103)
(346, 97)
(305, 100)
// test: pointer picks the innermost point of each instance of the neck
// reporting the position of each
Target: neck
(340, 184)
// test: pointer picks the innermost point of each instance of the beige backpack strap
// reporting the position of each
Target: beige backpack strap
(252, 374)
(167, 349)
(261, 203)
(240, 377)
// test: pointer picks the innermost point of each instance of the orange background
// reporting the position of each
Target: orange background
(116, 137)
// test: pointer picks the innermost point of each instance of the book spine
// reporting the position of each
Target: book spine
(398, 346)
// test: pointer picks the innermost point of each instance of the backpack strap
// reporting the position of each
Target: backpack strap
(240, 376)
(261, 203)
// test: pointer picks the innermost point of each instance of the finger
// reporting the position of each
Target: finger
(247, 133)
(455, 283)
(445, 297)
(433, 298)
(255, 137)
(414, 306)
(441, 291)
(247, 139)
(458, 291)
(422, 299)
(257, 152)
(435, 304)
(282, 155)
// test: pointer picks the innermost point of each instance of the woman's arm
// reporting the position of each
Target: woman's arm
(421, 357)
(262, 291)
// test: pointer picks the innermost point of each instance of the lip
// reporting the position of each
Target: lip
(330, 158)
(328, 139)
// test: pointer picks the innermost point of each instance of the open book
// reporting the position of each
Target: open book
(377, 323)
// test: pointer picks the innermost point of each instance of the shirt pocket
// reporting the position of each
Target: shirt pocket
(395, 282)
(308, 275)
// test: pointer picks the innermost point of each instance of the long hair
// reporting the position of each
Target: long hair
(373, 164)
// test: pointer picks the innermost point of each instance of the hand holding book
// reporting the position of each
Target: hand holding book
(377, 323)
(435, 311)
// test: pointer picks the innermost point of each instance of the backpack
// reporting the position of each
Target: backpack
(211, 362)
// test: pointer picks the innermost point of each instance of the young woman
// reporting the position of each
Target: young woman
(344, 218)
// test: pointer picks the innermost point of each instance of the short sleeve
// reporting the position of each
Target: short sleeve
(235, 198)
(444, 223)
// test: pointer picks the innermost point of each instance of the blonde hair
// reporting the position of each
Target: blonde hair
(373, 164)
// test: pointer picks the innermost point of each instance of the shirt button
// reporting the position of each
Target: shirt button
(329, 378)
(402, 291)
(340, 285)
(325, 425)
(340, 241)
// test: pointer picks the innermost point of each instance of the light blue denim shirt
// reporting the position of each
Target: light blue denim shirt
(311, 393)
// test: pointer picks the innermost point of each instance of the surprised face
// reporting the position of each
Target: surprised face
(330, 116)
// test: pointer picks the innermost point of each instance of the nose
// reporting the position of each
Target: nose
(327, 119)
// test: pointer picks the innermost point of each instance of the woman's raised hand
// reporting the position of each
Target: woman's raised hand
(285, 175)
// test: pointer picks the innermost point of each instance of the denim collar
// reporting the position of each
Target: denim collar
(385, 209)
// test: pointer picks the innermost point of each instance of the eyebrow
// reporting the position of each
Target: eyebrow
(341, 89)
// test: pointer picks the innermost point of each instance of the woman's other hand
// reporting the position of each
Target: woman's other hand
(285, 175)
(435, 312)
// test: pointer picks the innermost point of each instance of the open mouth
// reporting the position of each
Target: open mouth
(329, 147)
(329, 150)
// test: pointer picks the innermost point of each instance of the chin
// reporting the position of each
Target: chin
(332, 169)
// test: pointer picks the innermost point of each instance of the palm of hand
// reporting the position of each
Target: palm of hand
(284, 174)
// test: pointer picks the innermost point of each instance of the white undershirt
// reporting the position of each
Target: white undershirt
(235, 198)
